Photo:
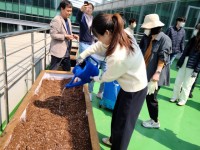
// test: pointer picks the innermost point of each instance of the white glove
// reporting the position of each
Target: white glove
(194, 75)
(152, 86)
(97, 79)
(79, 61)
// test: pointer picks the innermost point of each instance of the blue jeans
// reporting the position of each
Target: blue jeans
(102, 65)
(172, 57)
(83, 46)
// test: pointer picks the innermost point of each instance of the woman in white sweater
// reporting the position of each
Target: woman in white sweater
(125, 64)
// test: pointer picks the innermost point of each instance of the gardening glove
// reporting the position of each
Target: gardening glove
(96, 79)
(194, 75)
(152, 86)
(79, 60)
(92, 78)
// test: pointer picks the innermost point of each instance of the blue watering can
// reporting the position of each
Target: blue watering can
(84, 71)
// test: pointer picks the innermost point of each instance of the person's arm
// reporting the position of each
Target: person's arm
(197, 68)
(80, 13)
(96, 48)
(186, 50)
(182, 44)
(156, 75)
(142, 45)
(114, 69)
(168, 32)
(79, 16)
(55, 28)
(163, 56)
(165, 50)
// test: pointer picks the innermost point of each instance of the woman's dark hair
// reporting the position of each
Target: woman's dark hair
(197, 39)
(180, 19)
(132, 21)
(64, 4)
(91, 5)
(115, 24)
(156, 30)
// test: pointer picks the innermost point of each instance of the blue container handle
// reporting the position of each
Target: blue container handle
(93, 60)
(72, 84)
(115, 83)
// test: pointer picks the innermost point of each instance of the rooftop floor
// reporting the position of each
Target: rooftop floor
(180, 125)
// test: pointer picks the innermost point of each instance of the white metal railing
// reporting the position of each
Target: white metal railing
(23, 54)
(11, 73)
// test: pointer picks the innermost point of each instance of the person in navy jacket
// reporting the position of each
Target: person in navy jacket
(177, 35)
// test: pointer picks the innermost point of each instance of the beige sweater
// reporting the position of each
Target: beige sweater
(128, 70)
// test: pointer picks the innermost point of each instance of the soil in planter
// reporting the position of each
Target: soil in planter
(47, 127)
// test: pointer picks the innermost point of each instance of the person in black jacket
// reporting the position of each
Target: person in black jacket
(189, 67)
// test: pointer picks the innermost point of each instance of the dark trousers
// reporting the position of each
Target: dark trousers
(172, 57)
(152, 105)
(63, 62)
(125, 114)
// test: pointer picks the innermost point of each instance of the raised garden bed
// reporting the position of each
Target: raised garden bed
(52, 118)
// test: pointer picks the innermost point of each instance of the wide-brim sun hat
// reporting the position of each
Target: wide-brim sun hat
(152, 21)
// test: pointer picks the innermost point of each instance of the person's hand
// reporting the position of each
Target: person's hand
(69, 36)
(96, 79)
(83, 8)
(79, 60)
(152, 87)
(92, 78)
(76, 79)
(156, 76)
(76, 37)
(194, 75)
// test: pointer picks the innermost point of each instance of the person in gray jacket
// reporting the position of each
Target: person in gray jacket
(156, 48)
(61, 38)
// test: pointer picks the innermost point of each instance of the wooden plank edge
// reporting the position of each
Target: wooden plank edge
(92, 127)
(6, 136)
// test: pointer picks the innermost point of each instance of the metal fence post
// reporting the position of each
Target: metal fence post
(45, 48)
(32, 56)
(3, 43)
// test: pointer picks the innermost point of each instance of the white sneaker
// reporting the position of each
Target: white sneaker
(173, 100)
(106, 141)
(181, 103)
(151, 124)
(100, 95)
(90, 96)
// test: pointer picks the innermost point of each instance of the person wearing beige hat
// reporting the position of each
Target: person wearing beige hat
(189, 67)
(156, 47)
